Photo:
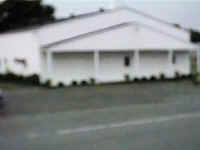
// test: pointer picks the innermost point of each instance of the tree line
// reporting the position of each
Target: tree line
(16, 14)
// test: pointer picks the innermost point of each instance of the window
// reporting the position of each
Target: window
(21, 61)
(174, 59)
(126, 61)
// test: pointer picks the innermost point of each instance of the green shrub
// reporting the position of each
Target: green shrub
(162, 76)
(190, 76)
(136, 79)
(153, 78)
(127, 78)
(84, 83)
(21, 78)
(92, 81)
(61, 85)
(185, 76)
(2, 77)
(74, 83)
(11, 77)
(177, 75)
(47, 84)
(33, 79)
(196, 78)
(144, 79)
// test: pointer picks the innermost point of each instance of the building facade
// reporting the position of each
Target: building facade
(105, 46)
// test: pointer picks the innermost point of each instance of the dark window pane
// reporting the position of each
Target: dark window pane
(174, 59)
(126, 61)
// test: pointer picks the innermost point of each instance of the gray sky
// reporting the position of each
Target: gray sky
(184, 12)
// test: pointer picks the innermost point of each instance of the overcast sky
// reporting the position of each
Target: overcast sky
(184, 12)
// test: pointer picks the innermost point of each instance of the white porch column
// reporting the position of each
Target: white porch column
(198, 60)
(49, 63)
(1, 66)
(96, 64)
(170, 64)
(136, 62)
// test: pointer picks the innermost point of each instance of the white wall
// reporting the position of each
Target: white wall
(158, 63)
(112, 67)
(182, 64)
(67, 67)
(20, 45)
(153, 64)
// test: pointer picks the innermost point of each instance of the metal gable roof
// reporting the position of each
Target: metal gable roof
(74, 33)
(88, 15)
(114, 27)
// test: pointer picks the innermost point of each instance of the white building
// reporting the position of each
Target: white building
(104, 45)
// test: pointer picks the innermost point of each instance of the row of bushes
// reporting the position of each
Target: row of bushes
(11, 77)
(160, 77)
(127, 79)
(92, 81)
(34, 79)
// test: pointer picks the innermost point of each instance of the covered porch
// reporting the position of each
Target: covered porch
(106, 66)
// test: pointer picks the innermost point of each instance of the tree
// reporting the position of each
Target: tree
(194, 36)
(21, 13)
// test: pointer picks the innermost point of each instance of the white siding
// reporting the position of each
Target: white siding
(68, 67)
(112, 67)
(20, 45)
(153, 64)
(182, 64)
(2, 65)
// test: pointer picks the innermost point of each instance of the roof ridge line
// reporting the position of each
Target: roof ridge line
(164, 33)
(152, 17)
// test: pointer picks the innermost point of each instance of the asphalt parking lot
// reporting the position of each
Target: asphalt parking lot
(25, 100)
(142, 115)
